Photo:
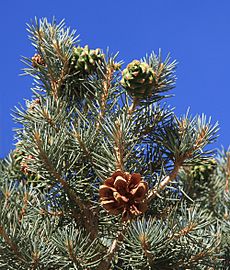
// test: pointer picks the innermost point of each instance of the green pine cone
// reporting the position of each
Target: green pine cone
(85, 60)
(138, 79)
(203, 172)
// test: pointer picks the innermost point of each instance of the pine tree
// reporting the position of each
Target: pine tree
(104, 174)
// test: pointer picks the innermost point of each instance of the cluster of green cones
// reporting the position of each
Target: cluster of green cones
(138, 78)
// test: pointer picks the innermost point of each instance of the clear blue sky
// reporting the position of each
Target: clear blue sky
(196, 32)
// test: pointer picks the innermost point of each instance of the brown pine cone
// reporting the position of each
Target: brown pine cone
(124, 193)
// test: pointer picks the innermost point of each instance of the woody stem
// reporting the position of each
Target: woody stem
(118, 146)
(133, 106)
(155, 191)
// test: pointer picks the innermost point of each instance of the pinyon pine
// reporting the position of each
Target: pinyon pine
(104, 175)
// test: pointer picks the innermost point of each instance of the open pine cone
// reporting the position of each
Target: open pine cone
(124, 193)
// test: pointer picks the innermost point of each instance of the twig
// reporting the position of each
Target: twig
(69, 247)
(118, 146)
(12, 245)
(146, 247)
(36, 258)
(106, 84)
(23, 210)
(155, 191)
(184, 231)
(49, 120)
(133, 106)
(106, 262)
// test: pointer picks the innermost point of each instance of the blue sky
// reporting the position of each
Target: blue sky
(197, 33)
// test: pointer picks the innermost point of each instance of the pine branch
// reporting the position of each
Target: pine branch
(13, 246)
(89, 217)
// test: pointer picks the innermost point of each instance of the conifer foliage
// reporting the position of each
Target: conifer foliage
(104, 174)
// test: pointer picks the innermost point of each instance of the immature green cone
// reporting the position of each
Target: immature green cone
(85, 60)
(138, 79)
(203, 172)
